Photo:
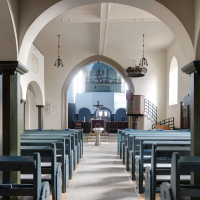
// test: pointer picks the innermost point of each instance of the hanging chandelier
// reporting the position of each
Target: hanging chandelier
(58, 62)
(138, 71)
(98, 76)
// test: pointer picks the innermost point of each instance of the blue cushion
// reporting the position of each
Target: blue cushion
(154, 130)
(160, 129)
(67, 129)
(40, 129)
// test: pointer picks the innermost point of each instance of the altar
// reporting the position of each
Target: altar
(98, 123)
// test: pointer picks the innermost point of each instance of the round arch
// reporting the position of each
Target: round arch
(153, 7)
(86, 62)
(121, 113)
(84, 112)
(82, 108)
(119, 108)
(37, 91)
(105, 109)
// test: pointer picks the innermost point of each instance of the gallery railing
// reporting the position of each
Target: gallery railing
(151, 110)
(169, 122)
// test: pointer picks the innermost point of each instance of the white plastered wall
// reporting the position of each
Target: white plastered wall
(54, 80)
(35, 66)
(183, 83)
(31, 118)
(152, 85)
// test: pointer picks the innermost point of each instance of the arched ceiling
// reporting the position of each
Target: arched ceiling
(105, 27)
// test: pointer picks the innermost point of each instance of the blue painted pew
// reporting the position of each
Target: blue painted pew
(133, 145)
(68, 148)
(78, 139)
(52, 134)
(147, 150)
(38, 190)
(121, 134)
(151, 172)
(126, 135)
(48, 154)
(175, 190)
(61, 157)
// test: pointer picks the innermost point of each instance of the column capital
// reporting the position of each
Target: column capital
(13, 67)
(40, 106)
(23, 101)
(192, 67)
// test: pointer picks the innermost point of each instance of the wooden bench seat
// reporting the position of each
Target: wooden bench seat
(48, 154)
(61, 156)
(38, 190)
(175, 190)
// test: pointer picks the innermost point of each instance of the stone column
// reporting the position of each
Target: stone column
(40, 115)
(193, 69)
(23, 103)
(11, 72)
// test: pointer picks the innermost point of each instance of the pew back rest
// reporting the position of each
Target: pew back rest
(24, 163)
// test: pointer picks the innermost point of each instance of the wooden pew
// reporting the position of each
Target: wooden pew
(160, 165)
(68, 148)
(61, 157)
(145, 152)
(74, 136)
(125, 134)
(38, 190)
(121, 134)
(48, 154)
(174, 190)
(130, 143)
(79, 132)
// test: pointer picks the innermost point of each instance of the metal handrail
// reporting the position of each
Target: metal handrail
(169, 122)
(151, 109)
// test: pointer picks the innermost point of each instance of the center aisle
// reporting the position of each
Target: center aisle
(101, 176)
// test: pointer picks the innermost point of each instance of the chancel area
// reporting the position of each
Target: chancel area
(99, 100)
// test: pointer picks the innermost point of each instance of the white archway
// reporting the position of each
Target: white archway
(33, 97)
(153, 7)
(37, 91)
(68, 81)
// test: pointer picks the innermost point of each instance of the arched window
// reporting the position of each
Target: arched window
(173, 82)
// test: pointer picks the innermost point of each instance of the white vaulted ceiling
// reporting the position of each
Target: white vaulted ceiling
(105, 27)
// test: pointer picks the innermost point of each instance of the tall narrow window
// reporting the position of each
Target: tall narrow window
(173, 82)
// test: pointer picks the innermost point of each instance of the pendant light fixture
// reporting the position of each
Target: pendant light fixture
(138, 71)
(98, 76)
(58, 62)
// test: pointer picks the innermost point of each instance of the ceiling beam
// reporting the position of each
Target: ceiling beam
(103, 30)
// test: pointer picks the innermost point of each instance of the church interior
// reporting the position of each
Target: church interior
(99, 100)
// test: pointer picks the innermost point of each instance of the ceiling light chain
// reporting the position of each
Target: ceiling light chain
(58, 62)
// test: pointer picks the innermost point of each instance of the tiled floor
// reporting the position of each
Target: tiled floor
(101, 176)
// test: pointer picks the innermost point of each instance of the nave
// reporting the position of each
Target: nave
(101, 176)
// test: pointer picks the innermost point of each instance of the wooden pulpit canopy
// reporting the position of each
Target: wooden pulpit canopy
(134, 104)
